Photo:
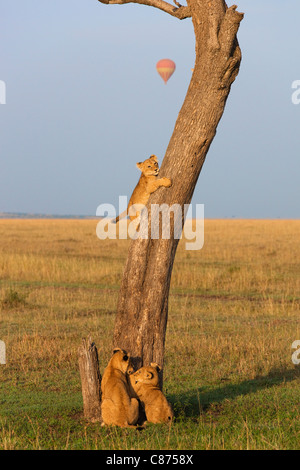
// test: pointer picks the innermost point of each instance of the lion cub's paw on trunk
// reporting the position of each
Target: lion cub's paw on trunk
(118, 407)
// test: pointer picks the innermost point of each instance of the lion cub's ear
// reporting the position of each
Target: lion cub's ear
(116, 350)
(154, 157)
(156, 366)
(139, 165)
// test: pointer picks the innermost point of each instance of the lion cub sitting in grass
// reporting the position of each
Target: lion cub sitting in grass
(148, 183)
(118, 407)
(145, 383)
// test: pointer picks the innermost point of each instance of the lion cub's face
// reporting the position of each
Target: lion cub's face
(149, 167)
(121, 361)
(147, 376)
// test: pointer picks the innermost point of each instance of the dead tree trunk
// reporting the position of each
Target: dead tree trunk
(90, 380)
(142, 312)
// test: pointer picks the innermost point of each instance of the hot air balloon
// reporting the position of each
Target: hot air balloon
(165, 68)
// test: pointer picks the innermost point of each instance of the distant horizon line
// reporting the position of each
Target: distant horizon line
(37, 215)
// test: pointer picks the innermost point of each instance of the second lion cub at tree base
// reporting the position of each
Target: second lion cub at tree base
(148, 183)
(145, 383)
(118, 407)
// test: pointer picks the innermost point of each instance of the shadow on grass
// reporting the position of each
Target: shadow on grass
(193, 402)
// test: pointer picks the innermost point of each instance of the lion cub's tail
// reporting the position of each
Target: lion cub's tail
(120, 216)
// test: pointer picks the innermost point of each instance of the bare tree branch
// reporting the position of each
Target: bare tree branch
(229, 29)
(179, 11)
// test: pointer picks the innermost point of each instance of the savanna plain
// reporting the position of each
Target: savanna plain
(233, 315)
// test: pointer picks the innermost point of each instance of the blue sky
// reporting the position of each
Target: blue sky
(84, 103)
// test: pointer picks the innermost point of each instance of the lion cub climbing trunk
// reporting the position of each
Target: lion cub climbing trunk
(148, 183)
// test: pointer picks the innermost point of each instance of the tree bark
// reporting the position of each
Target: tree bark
(142, 311)
(90, 380)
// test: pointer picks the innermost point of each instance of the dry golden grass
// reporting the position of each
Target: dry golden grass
(233, 315)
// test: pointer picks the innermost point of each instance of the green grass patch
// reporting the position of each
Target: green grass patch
(233, 316)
